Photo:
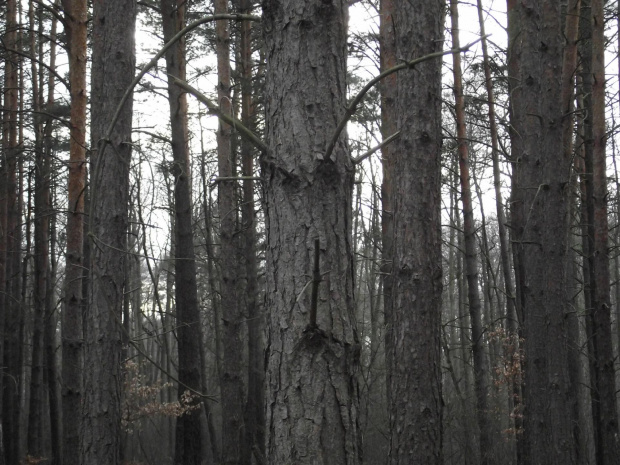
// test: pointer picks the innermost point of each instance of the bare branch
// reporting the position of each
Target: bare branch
(235, 123)
(350, 110)
(364, 156)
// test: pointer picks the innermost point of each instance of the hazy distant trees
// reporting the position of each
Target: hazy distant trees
(269, 289)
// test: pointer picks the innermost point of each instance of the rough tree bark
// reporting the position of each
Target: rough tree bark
(311, 388)
(415, 379)
(112, 71)
(188, 445)
(540, 223)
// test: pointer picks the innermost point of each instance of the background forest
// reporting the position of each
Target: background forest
(309, 232)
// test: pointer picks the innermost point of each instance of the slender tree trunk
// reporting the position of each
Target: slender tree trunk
(76, 17)
(609, 452)
(255, 415)
(569, 67)
(415, 380)
(480, 356)
(11, 342)
(542, 233)
(232, 390)
(50, 345)
(188, 445)
(311, 388)
(388, 89)
(112, 71)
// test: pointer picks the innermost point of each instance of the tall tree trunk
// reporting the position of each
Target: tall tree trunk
(37, 411)
(232, 391)
(415, 380)
(480, 356)
(11, 373)
(569, 67)
(112, 71)
(254, 413)
(188, 445)
(76, 17)
(311, 388)
(609, 451)
(387, 87)
(541, 224)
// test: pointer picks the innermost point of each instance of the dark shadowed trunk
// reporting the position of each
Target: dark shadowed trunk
(232, 376)
(188, 445)
(10, 306)
(254, 413)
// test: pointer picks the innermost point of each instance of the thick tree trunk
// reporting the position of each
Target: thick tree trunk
(311, 386)
(112, 71)
(541, 220)
(415, 379)
(76, 28)
(188, 445)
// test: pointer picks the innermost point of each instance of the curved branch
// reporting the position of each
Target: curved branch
(213, 108)
(350, 110)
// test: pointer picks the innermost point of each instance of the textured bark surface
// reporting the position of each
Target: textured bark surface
(75, 26)
(112, 71)
(188, 445)
(311, 387)
(415, 380)
(541, 204)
